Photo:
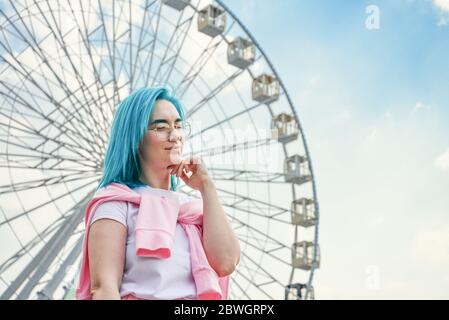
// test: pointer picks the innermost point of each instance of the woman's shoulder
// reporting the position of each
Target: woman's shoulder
(112, 209)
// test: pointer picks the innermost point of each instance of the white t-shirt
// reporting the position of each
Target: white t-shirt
(152, 278)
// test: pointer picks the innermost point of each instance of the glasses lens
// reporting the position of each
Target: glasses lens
(163, 132)
(187, 129)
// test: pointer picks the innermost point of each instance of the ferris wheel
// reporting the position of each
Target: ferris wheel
(64, 68)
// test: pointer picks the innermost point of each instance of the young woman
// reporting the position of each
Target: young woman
(145, 154)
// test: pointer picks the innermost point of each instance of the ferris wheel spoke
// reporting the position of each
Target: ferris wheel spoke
(49, 289)
(174, 59)
(47, 156)
(68, 56)
(247, 175)
(59, 37)
(265, 208)
(209, 152)
(116, 62)
(202, 60)
(24, 146)
(260, 242)
(279, 244)
(85, 38)
(241, 203)
(212, 94)
(39, 237)
(34, 169)
(36, 135)
(21, 244)
(25, 249)
(27, 75)
(142, 30)
(130, 45)
(25, 104)
(243, 224)
(179, 25)
(153, 49)
(45, 203)
(39, 183)
(42, 56)
(62, 127)
(20, 160)
(63, 131)
(243, 291)
(235, 115)
(46, 256)
(111, 51)
(108, 47)
(268, 253)
(259, 270)
(118, 41)
(251, 281)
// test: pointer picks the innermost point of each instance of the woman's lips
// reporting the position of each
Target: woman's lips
(173, 148)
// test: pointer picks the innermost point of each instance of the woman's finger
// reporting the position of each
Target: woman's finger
(175, 168)
(180, 168)
(184, 177)
(191, 167)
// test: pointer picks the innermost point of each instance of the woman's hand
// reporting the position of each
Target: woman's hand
(220, 242)
(199, 176)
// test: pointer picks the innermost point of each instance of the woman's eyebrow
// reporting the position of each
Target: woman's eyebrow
(163, 121)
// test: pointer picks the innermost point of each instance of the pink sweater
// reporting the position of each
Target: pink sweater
(154, 237)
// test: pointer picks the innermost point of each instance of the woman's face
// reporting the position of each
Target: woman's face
(163, 147)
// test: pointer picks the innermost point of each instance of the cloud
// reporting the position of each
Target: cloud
(442, 161)
(420, 105)
(442, 4)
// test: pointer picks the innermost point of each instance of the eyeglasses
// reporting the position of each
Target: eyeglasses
(163, 130)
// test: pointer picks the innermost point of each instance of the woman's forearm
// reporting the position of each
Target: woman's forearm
(220, 243)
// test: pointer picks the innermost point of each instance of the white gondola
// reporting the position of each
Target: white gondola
(211, 20)
(265, 88)
(302, 255)
(296, 169)
(303, 212)
(176, 4)
(241, 52)
(284, 128)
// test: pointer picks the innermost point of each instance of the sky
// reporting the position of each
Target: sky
(369, 81)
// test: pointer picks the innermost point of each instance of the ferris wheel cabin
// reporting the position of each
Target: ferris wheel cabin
(265, 88)
(241, 52)
(211, 20)
(302, 255)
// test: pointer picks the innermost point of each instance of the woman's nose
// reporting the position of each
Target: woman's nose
(174, 135)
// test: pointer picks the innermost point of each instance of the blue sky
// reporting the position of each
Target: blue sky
(374, 105)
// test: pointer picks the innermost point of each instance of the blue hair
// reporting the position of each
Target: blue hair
(130, 123)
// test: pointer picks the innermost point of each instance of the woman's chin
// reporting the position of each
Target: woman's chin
(174, 157)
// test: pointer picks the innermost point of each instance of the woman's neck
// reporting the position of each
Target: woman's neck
(156, 178)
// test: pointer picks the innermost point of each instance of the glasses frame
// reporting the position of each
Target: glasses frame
(187, 128)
